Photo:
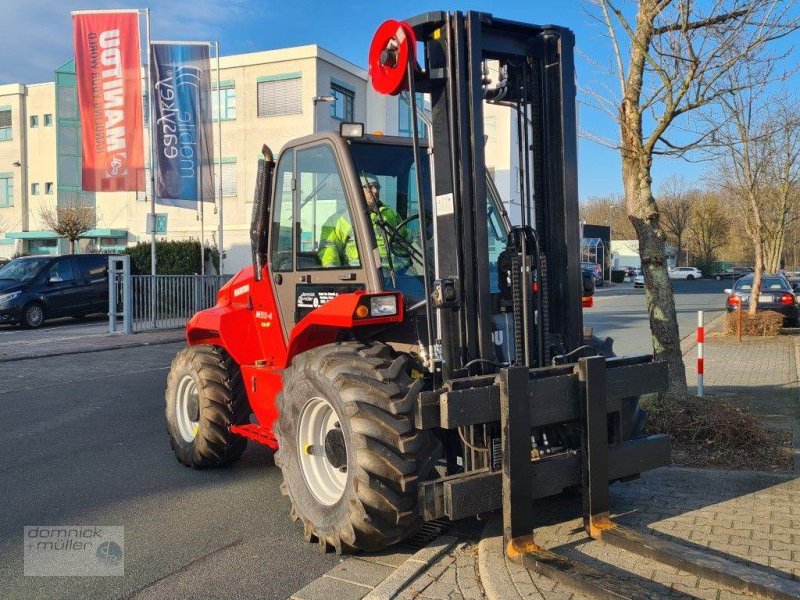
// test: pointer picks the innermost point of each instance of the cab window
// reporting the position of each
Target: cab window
(325, 235)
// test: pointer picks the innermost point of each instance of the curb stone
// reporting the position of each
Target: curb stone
(381, 576)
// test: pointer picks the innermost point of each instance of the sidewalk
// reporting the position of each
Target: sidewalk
(81, 344)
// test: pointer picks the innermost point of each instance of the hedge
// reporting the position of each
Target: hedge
(179, 257)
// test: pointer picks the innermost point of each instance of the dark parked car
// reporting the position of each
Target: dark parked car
(36, 288)
(732, 273)
(597, 270)
(777, 294)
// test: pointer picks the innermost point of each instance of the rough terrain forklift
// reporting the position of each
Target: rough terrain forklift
(411, 354)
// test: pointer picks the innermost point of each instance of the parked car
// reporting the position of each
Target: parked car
(685, 273)
(36, 288)
(597, 270)
(732, 273)
(777, 294)
(638, 281)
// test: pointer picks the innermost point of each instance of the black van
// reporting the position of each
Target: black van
(36, 288)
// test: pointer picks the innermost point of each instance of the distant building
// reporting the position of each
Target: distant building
(625, 253)
(266, 97)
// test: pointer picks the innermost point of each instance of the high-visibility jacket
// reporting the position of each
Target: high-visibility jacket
(337, 246)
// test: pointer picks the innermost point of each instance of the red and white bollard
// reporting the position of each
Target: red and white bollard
(700, 338)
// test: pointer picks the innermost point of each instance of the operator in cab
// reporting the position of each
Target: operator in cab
(337, 240)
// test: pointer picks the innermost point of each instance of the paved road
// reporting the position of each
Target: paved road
(82, 442)
(620, 312)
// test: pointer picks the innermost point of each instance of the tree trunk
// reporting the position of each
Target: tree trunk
(643, 213)
(758, 248)
(71, 246)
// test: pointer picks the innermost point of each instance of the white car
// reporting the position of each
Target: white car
(638, 281)
(685, 273)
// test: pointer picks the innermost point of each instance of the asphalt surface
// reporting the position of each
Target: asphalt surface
(620, 312)
(53, 330)
(83, 442)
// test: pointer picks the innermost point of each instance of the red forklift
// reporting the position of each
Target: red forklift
(410, 353)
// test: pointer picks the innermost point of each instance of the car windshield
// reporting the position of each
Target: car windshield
(22, 270)
(767, 284)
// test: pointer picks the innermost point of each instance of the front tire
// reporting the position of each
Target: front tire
(33, 316)
(350, 455)
(205, 396)
(690, 277)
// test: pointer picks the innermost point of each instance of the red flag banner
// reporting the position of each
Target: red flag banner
(108, 72)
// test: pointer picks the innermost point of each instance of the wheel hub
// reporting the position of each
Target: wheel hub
(322, 451)
(187, 407)
(335, 451)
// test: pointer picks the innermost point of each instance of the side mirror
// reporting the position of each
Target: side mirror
(728, 291)
(55, 279)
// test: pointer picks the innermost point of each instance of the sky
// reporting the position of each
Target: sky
(37, 38)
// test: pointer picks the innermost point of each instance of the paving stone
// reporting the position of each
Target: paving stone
(360, 572)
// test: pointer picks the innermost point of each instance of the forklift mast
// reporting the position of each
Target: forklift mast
(536, 81)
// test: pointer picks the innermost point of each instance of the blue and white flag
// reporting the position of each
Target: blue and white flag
(180, 85)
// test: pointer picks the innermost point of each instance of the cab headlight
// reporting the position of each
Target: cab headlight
(383, 306)
(6, 298)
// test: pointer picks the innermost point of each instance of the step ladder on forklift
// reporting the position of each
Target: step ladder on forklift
(517, 390)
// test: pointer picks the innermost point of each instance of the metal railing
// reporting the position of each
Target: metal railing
(146, 302)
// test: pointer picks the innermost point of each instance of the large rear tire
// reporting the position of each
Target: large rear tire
(205, 396)
(350, 456)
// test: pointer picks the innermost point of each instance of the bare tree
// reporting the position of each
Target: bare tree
(69, 220)
(710, 226)
(669, 59)
(676, 206)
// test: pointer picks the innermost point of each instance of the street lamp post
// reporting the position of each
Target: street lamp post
(316, 100)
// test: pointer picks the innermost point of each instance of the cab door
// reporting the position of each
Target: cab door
(315, 252)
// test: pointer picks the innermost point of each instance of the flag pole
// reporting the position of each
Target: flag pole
(153, 167)
(221, 245)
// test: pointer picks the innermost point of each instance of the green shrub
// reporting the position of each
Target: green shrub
(178, 257)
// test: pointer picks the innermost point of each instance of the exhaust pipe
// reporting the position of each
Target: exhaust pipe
(259, 224)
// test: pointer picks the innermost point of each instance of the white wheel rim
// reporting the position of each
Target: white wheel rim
(325, 480)
(188, 412)
(35, 315)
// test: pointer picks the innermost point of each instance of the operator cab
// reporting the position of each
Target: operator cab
(345, 217)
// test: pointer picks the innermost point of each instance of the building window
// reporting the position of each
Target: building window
(48, 187)
(225, 97)
(34, 121)
(6, 189)
(48, 120)
(342, 107)
(404, 117)
(228, 178)
(34, 189)
(280, 95)
(5, 124)
(42, 246)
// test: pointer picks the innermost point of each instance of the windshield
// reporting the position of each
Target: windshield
(22, 270)
(388, 178)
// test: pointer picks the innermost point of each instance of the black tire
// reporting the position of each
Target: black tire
(690, 277)
(371, 393)
(221, 402)
(33, 316)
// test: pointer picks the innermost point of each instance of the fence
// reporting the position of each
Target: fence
(146, 302)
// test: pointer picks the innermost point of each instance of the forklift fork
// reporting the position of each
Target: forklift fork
(516, 392)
